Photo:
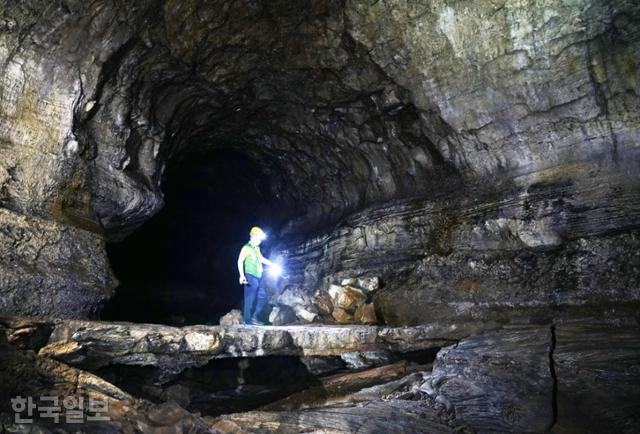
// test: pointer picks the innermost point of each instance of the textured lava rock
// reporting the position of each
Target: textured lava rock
(377, 416)
(95, 344)
(598, 380)
(349, 298)
(499, 382)
(554, 245)
(566, 377)
(365, 314)
(50, 268)
(24, 374)
(232, 318)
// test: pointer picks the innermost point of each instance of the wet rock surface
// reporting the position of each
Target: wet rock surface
(513, 366)
(596, 367)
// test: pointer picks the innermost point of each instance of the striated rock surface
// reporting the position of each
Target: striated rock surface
(498, 382)
(598, 379)
(388, 416)
(553, 245)
(574, 376)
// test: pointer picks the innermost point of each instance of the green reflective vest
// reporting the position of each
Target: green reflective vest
(252, 262)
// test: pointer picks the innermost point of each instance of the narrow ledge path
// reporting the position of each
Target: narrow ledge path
(94, 344)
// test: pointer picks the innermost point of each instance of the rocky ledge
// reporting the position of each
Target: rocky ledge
(94, 344)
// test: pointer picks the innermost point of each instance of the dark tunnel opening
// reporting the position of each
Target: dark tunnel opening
(180, 266)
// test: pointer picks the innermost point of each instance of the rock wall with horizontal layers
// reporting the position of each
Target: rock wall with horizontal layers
(537, 110)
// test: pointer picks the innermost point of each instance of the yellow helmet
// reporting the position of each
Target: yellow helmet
(257, 232)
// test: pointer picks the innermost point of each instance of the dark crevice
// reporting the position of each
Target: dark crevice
(224, 386)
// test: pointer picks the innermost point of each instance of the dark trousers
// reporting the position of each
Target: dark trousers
(255, 299)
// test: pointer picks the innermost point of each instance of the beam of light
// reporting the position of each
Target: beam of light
(275, 270)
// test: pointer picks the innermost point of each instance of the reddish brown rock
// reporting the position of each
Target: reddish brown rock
(342, 316)
(366, 314)
(349, 298)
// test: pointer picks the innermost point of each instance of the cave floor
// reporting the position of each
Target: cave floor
(333, 378)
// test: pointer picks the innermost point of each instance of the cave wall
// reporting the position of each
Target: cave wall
(498, 140)
(537, 110)
(52, 177)
(548, 248)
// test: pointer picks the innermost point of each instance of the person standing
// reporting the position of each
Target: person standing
(250, 267)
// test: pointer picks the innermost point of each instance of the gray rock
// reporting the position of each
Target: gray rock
(366, 359)
(281, 315)
(51, 269)
(232, 318)
(578, 375)
(598, 375)
(499, 381)
(95, 344)
(322, 365)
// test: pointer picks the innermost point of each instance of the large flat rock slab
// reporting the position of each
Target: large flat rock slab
(94, 344)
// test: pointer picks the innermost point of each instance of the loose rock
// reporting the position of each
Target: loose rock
(365, 314)
(232, 318)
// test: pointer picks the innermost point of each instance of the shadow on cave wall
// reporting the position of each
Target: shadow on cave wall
(180, 266)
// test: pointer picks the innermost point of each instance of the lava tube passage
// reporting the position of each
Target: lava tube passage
(329, 216)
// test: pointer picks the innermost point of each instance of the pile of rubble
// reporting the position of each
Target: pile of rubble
(351, 302)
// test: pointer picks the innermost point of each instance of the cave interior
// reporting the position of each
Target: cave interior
(451, 187)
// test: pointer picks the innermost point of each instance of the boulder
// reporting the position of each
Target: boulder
(322, 365)
(367, 284)
(307, 315)
(324, 304)
(349, 298)
(293, 296)
(334, 290)
(232, 318)
(281, 315)
(342, 316)
(366, 359)
(351, 281)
